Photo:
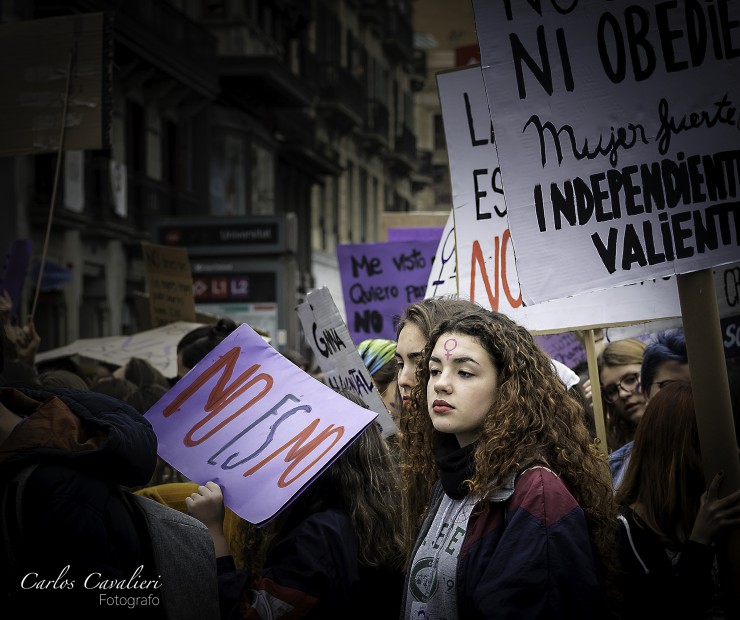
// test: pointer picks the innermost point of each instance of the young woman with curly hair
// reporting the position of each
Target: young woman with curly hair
(522, 520)
(413, 330)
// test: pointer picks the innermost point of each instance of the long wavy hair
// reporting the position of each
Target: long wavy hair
(664, 479)
(628, 351)
(364, 483)
(417, 474)
(533, 418)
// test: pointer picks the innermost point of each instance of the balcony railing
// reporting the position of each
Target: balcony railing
(406, 143)
(398, 35)
(169, 25)
(341, 95)
(402, 159)
(371, 11)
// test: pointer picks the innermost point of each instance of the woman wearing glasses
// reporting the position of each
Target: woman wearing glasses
(664, 361)
(624, 401)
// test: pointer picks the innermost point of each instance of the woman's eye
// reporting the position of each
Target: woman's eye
(433, 372)
(465, 373)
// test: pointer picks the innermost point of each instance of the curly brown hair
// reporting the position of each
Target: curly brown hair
(533, 418)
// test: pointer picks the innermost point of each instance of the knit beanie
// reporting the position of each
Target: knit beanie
(376, 353)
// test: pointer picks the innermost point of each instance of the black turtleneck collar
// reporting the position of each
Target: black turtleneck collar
(455, 465)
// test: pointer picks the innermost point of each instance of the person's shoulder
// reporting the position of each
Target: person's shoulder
(541, 492)
(621, 453)
(537, 475)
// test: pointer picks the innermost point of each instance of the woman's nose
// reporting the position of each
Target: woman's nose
(407, 376)
(441, 384)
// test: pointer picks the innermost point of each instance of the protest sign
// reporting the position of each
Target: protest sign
(563, 347)
(727, 288)
(616, 170)
(157, 346)
(169, 283)
(251, 421)
(442, 280)
(727, 283)
(34, 82)
(486, 270)
(379, 280)
(731, 336)
(336, 354)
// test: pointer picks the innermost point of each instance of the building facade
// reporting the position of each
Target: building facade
(221, 111)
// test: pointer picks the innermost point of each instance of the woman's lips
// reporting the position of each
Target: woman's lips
(441, 406)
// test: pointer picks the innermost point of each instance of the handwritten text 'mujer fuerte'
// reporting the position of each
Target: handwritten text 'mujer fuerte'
(719, 112)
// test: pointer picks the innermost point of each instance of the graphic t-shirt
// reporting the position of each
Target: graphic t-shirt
(432, 583)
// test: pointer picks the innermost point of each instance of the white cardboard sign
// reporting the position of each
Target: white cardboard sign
(328, 336)
(486, 267)
(617, 133)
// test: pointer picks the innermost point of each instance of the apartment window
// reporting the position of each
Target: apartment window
(365, 213)
(228, 175)
(319, 217)
(440, 144)
(135, 137)
(263, 180)
(328, 35)
(442, 187)
(352, 232)
(335, 208)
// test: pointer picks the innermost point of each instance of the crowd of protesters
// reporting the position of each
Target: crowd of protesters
(493, 499)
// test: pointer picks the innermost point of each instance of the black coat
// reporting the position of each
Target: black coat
(76, 532)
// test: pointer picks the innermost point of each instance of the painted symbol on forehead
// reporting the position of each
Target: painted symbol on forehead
(449, 346)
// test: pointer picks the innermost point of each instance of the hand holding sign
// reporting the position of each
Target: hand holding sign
(251, 421)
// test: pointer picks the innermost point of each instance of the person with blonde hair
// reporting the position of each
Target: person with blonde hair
(521, 521)
(664, 360)
(619, 374)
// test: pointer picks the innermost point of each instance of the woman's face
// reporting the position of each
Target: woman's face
(462, 384)
(411, 342)
(628, 401)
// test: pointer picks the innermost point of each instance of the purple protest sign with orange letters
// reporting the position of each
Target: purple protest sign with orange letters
(250, 420)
